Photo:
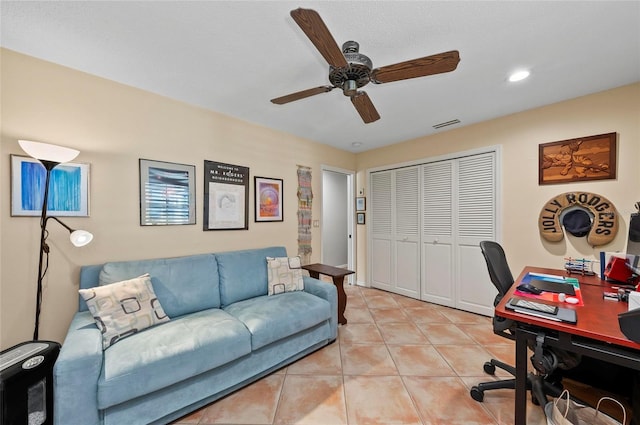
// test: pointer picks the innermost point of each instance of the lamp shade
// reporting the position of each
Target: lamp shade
(80, 237)
(48, 152)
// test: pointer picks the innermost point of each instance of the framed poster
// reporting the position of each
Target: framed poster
(361, 204)
(226, 194)
(581, 159)
(68, 188)
(167, 193)
(268, 202)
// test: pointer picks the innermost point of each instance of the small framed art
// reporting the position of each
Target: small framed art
(360, 218)
(268, 202)
(361, 203)
(68, 188)
(167, 193)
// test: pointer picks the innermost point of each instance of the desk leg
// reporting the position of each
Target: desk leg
(521, 379)
(342, 299)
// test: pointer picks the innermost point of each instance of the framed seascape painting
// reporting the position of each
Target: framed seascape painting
(167, 193)
(226, 193)
(574, 160)
(268, 202)
(68, 188)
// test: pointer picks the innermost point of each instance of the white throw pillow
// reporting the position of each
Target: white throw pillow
(284, 275)
(123, 308)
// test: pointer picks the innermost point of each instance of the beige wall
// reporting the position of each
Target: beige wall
(518, 135)
(113, 126)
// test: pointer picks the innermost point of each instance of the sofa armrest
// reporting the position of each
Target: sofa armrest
(326, 291)
(76, 373)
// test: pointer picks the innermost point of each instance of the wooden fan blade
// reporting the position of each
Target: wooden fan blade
(301, 95)
(310, 22)
(365, 107)
(429, 65)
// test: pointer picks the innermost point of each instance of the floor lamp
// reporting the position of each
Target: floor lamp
(50, 156)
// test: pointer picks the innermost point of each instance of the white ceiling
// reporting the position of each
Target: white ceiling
(234, 56)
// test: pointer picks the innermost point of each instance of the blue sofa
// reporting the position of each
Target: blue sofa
(225, 332)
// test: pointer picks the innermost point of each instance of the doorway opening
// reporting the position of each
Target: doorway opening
(337, 229)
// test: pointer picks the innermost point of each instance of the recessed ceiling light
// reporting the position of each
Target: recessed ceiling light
(356, 144)
(518, 76)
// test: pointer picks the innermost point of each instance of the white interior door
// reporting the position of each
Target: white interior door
(437, 233)
(476, 221)
(382, 268)
(406, 233)
(426, 225)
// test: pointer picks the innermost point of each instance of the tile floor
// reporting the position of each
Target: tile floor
(397, 361)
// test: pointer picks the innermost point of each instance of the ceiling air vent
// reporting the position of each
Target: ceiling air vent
(446, 124)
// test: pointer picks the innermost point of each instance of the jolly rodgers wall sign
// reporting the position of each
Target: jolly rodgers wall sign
(602, 222)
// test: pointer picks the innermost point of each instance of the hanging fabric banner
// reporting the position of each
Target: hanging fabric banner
(305, 198)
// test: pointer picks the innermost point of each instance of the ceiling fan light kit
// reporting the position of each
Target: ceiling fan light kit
(351, 70)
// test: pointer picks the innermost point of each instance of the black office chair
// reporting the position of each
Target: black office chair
(545, 360)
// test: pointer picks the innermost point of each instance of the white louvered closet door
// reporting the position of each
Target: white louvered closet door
(380, 222)
(476, 221)
(437, 233)
(406, 241)
(426, 223)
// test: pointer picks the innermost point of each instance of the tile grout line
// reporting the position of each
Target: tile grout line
(281, 391)
(457, 375)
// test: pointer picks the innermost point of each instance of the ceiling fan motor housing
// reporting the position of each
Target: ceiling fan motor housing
(356, 75)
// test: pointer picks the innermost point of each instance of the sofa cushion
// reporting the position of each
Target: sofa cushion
(270, 319)
(284, 274)
(183, 284)
(124, 308)
(167, 354)
(243, 274)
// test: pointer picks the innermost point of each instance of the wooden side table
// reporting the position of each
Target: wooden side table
(337, 275)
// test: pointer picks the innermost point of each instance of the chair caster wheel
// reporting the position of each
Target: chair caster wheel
(477, 394)
(489, 368)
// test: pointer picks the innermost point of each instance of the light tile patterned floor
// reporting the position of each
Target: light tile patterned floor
(397, 361)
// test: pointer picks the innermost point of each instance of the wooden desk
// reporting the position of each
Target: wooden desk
(596, 334)
(337, 274)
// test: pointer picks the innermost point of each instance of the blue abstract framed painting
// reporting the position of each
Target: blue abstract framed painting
(68, 188)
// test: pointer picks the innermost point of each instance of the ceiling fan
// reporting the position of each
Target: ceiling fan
(350, 70)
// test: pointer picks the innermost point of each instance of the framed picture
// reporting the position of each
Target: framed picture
(68, 188)
(360, 218)
(226, 195)
(167, 193)
(361, 204)
(581, 159)
(268, 202)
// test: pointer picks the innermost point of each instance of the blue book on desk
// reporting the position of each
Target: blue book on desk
(551, 278)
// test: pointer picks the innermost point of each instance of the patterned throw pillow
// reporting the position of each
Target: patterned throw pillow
(284, 274)
(123, 308)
